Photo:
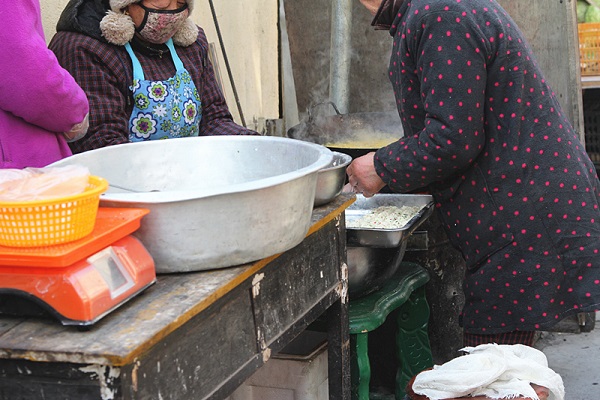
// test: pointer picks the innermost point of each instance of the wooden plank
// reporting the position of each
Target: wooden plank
(209, 350)
(124, 334)
(22, 379)
(338, 351)
(282, 296)
(322, 215)
(338, 336)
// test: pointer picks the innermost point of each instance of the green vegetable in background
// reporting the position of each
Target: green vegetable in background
(582, 7)
(592, 14)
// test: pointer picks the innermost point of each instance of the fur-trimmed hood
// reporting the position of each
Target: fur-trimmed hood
(105, 21)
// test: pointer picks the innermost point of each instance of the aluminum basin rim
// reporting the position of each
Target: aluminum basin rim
(325, 157)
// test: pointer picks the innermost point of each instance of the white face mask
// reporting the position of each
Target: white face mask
(159, 26)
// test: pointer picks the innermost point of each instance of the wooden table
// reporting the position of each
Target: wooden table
(192, 335)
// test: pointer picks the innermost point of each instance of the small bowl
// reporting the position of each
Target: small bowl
(331, 178)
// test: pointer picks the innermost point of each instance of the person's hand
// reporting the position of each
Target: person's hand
(362, 176)
(78, 130)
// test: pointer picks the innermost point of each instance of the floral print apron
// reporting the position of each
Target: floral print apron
(163, 109)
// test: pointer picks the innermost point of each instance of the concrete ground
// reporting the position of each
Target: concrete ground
(576, 358)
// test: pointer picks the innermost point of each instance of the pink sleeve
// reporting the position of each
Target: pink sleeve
(34, 86)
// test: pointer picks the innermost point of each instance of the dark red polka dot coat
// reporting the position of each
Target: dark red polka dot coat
(514, 188)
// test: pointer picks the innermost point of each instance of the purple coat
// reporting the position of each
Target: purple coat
(38, 98)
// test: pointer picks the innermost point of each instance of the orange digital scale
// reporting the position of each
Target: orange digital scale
(82, 281)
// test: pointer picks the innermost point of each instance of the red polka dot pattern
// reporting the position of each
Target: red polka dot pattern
(485, 134)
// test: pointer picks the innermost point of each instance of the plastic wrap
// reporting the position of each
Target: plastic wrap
(30, 184)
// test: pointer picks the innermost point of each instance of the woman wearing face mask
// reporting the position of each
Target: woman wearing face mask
(144, 66)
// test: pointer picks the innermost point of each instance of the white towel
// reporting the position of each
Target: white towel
(492, 370)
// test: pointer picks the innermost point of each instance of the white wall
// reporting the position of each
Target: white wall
(250, 35)
(51, 10)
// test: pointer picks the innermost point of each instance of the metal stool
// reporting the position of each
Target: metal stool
(405, 291)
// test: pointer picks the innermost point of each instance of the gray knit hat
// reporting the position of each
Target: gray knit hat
(118, 28)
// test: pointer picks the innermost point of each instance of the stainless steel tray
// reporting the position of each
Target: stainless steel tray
(385, 238)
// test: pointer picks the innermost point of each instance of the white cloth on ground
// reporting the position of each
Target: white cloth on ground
(492, 370)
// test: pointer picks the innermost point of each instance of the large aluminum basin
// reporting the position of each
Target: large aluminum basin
(219, 201)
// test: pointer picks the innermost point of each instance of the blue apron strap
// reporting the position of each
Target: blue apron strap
(138, 72)
(176, 60)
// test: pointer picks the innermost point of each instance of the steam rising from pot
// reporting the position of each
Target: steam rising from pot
(359, 130)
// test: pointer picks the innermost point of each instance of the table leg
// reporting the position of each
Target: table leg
(338, 348)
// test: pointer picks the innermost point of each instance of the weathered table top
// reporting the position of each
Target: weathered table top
(227, 302)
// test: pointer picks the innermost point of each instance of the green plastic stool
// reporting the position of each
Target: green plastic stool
(404, 291)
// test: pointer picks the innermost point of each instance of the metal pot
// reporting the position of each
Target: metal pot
(369, 268)
(353, 134)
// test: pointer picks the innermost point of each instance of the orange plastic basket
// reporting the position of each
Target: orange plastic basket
(49, 222)
(589, 48)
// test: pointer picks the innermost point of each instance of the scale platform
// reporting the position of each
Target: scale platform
(82, 281)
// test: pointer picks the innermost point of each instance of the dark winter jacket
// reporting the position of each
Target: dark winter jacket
(513, 185)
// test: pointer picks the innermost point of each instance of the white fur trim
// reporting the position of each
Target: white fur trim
(187, 34)
(118, 5)
(117, 28)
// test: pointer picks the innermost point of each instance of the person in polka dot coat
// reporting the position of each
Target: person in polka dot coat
(484, 134)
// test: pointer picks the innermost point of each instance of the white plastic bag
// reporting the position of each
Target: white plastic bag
(30, 184)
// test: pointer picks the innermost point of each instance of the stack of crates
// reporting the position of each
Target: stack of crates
(589, 48)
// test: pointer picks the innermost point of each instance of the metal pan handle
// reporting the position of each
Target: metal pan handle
(310, 110)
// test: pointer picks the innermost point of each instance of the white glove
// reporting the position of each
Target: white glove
(78, 130)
